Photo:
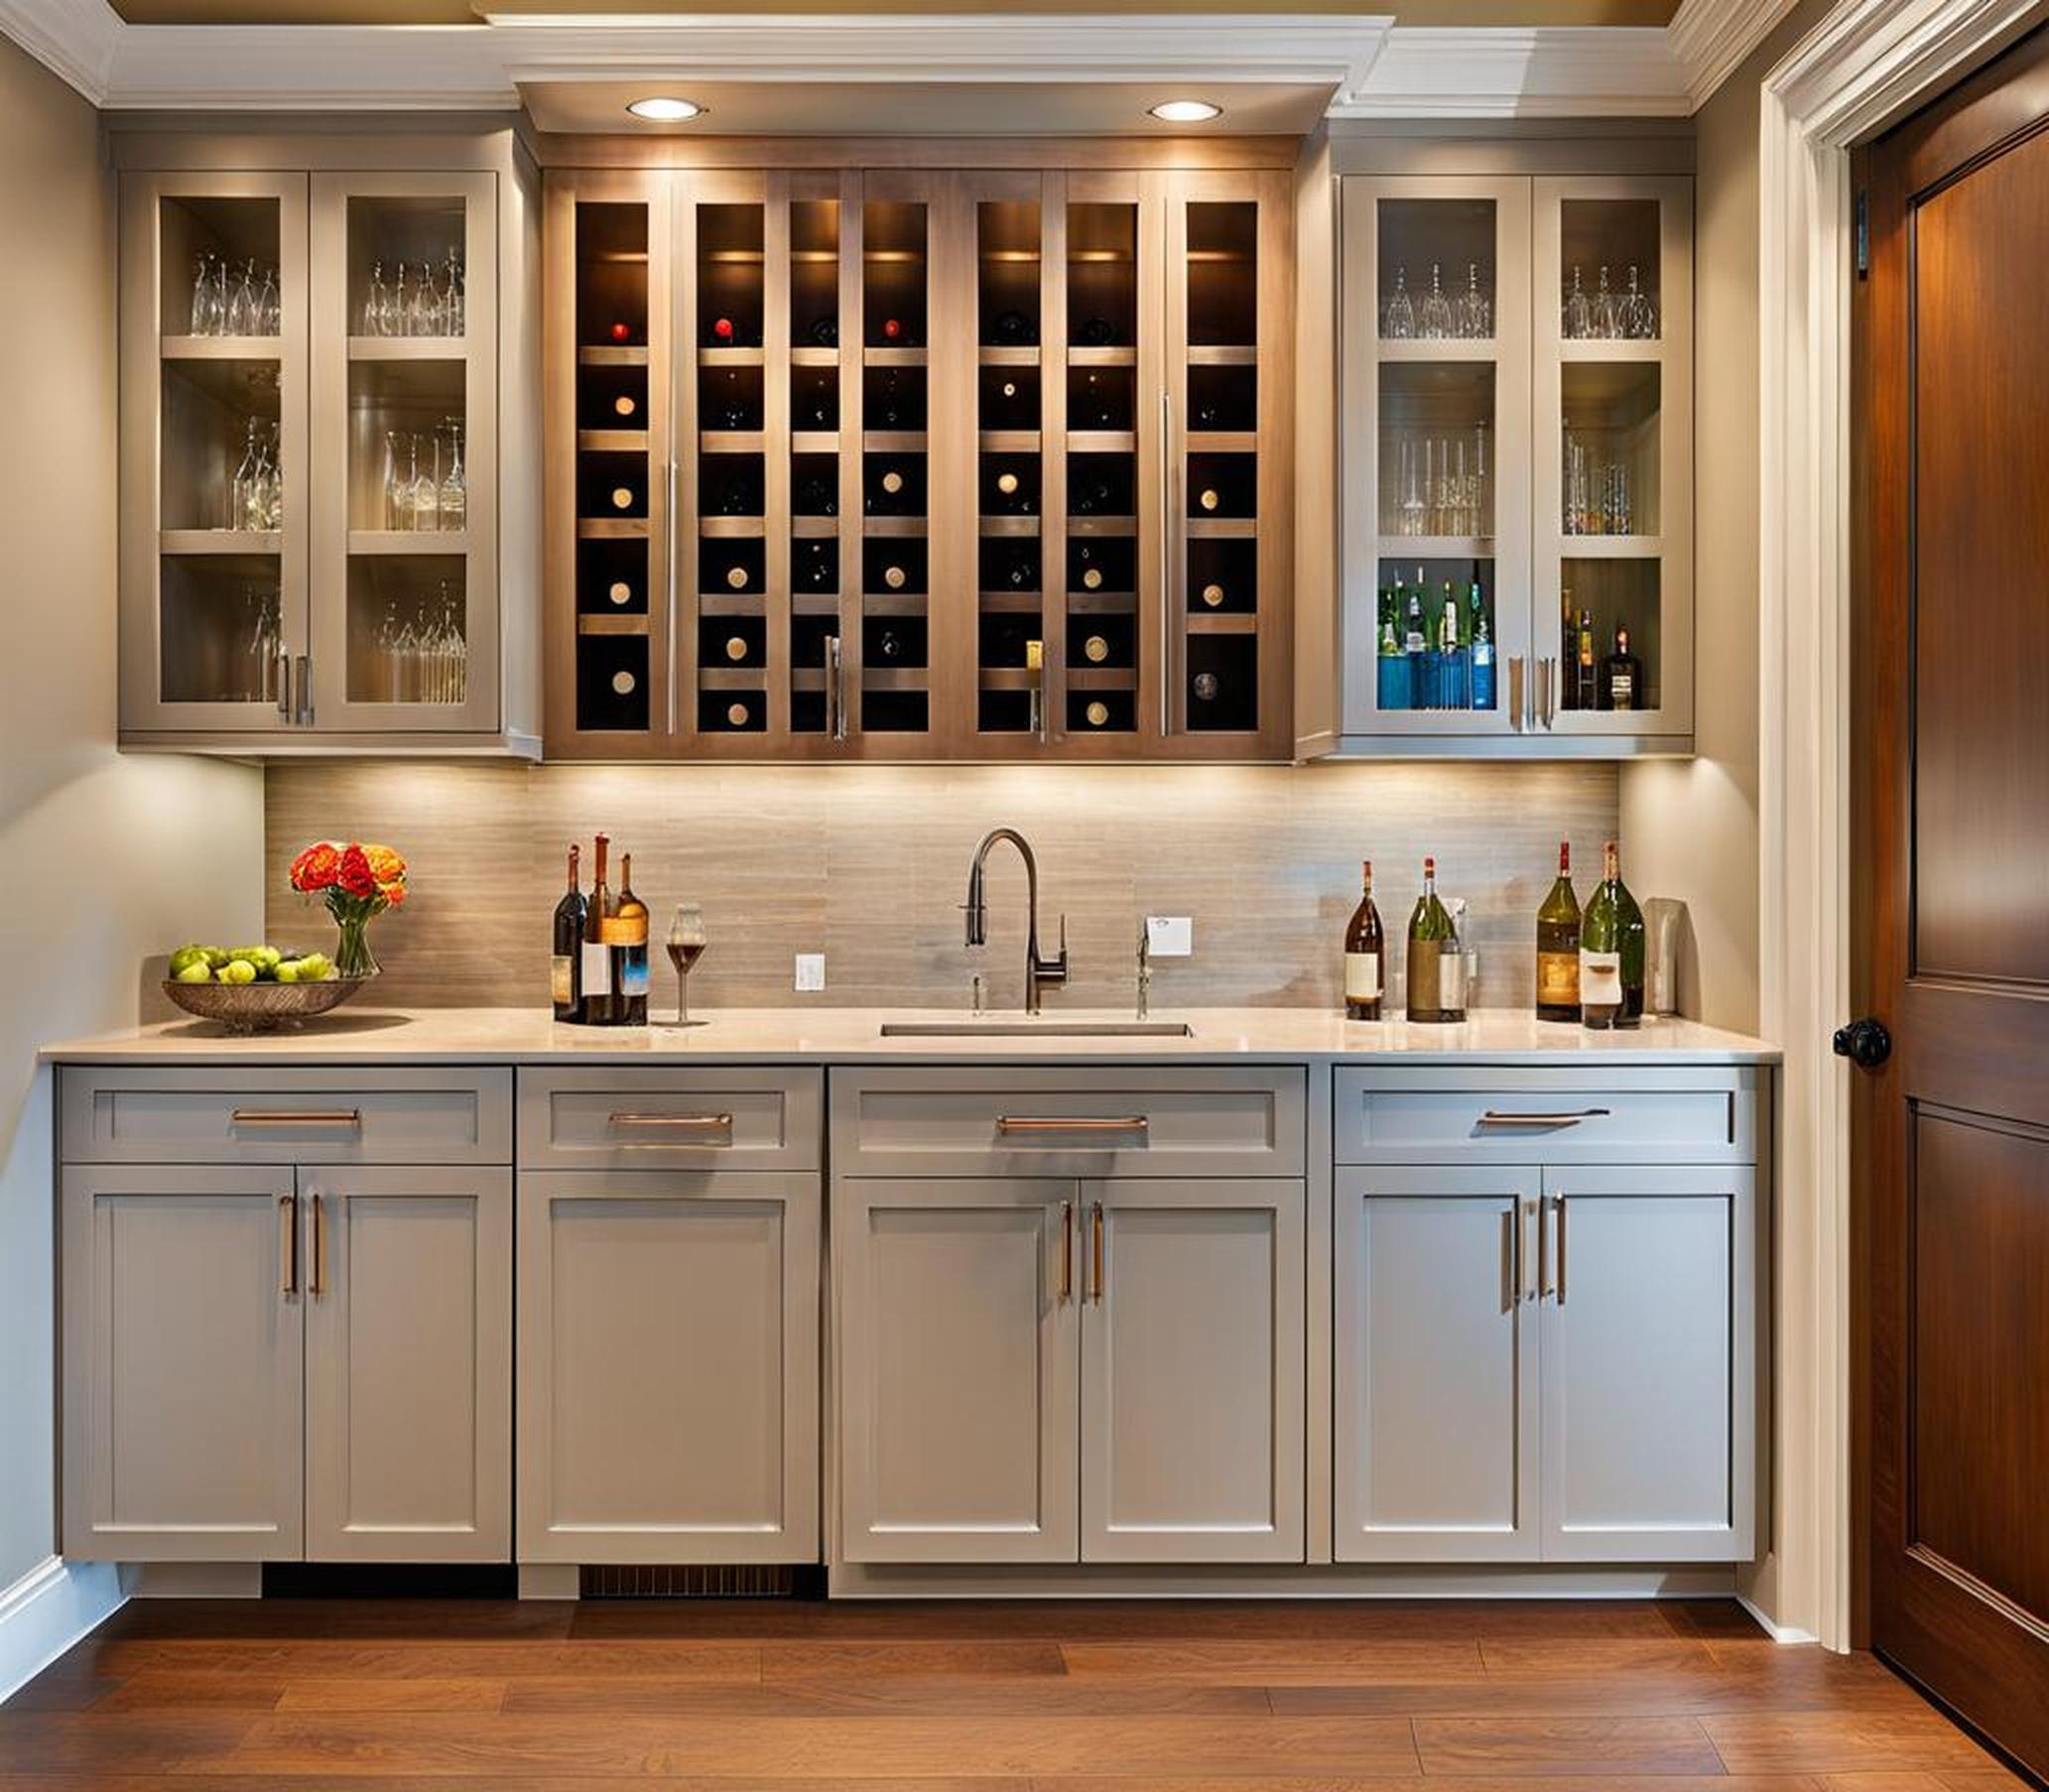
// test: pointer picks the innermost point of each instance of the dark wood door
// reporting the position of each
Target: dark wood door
(1950, 748)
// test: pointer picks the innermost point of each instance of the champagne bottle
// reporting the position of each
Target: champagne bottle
(597, 1005)
(1611, 951)
(625, 933)
(1557, 945)
(1436, 972)
(1363, 954)
(566, 980)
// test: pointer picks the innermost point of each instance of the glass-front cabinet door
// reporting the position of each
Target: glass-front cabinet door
(1436, 635)
(405, 421)
(214, 516)
(1612, 524)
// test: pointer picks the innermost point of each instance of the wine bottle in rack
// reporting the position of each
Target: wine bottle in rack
(1013, 329)
(1092, 406)
(1095, 332)
(596, 1006)
(825, 331)
(1089, 496)
(626, 933)
(1363, 953)
(619, 331)
(730, 409)
(815, 495)
(1091, 573)
(815, 567)
(566, 976)
(1557, 945)
(890, 489)
(1012, 491)
(1019, 571)
(625, 407)
(819, 407)
(890, 406)
(1097, 713)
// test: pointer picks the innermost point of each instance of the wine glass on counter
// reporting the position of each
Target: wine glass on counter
(687, 943)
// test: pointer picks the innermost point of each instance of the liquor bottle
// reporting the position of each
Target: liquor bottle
(1611, 951)
(569, 938)
(1363, 954)
(1584, 684)
(625, 933)
(1483, 651)
(1097, 333)
(1436, 969)
(1451, 682)
(1415, 647)
(1557, 945)
(825, 331)
(597, 1005)
(1621, 675)
(1569, 651)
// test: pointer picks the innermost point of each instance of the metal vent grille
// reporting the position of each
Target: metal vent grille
(716, 1581)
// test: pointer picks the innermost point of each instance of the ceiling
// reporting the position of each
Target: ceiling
(462, 12)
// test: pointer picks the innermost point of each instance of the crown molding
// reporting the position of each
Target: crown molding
(1711, 38)
(1379, 69)
(1520, 73)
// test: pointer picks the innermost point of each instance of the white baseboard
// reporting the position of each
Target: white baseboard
(50, 1608)
(1786, 1634)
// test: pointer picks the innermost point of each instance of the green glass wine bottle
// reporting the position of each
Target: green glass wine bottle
(1557, 945)
(1611, 951)
(1433, 943)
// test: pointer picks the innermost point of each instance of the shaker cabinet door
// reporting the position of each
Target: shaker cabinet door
(1436, 1371)
(957, 1338)
(668, 1366)
(1193, 1346)
(409, 1363)
(182, 1306)
(1650, 1400)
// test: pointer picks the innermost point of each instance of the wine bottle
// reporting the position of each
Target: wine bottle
(893, 331)
(816, 496)
(822, 407)
(1363, 954)
(1021, 569)
(1586, 684)
(1621, 675)
(1451, 681)
(1206, 687)
(1089, 499)
(566, 980)
(736, 650)
(1611, 951)
(625, 405)
(1483, 693)
(1569, 649)
(619, 591)
(1095, 650)
(736, 576)
(815, 568)
(724, 333)
(1087, 566)
(732, 403)
(1097, 333)
(597, 1005)
(1436, 972)
(1013, 329)
(889, 401)
(1415, 647)
(625, 934)
(1097, 713)
(1093, 407)
(1213, 594)
(1557, 945)
(825, 331)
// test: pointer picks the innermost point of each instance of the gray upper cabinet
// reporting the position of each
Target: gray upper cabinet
(668, 1364)
(1193, 1344)
(408, 1306)
(183, 1361)
(1435, 1372)
(329, 491)
(959, 1338)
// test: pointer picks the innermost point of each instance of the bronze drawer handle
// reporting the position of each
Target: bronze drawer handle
(1010, 1122)
(678, 1122)
(296, 1116)
(1491, 1118)
(318, 1285)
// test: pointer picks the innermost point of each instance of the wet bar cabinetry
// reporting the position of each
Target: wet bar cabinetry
(327, 454)
(918, 463)
(1515, 445)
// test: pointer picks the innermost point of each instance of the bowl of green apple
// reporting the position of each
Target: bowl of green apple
(255, 988)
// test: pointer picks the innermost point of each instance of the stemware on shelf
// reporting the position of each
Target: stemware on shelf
(1596, 495)
(1398, 314)
(425, 486)
(233, 299)
(1441, 483)
(1604, 315)
(416, 301)
(1434, 316)
(423, 653)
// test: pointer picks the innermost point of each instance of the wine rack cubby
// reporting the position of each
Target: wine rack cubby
(923, 464)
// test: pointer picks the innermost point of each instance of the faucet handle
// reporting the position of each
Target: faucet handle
(1055, 968)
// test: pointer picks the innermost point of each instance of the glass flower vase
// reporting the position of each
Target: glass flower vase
(352, 954)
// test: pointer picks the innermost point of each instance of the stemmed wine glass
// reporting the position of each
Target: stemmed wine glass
(687, 945)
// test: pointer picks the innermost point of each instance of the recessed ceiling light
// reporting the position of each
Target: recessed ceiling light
(1185, 111)
(662, 109)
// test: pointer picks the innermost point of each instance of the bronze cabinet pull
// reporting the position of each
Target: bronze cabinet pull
(1096, 1249)
(296, 1116)
(288, 1243)
(1558, 1205)
(678, 1122)
(1512, 1214)
(1543, 1247)
(1166, 559)
(1067, 1250)
(317, 1285)
(1572, 1118)
(1525, 1210)
(1011, 1123)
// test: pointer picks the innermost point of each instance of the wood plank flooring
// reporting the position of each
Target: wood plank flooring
(1037, 1697)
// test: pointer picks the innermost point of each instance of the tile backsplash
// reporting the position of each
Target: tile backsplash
(868, 864)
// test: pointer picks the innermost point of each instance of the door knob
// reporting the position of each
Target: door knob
(1865, 1043)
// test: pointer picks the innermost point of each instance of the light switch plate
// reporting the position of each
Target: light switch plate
(1170, 936)
(811, 970)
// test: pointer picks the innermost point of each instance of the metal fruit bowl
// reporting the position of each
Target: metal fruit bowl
(261, 1008)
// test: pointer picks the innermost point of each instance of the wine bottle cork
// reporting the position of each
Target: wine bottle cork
(1097, 713)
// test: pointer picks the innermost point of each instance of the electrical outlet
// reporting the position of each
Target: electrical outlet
(811, 970)
(1170, 936)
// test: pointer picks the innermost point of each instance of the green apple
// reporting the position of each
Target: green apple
(288, 971)
(185, 956)
(198, 971)
(237, 971)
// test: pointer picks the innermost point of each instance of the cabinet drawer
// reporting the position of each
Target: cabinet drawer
(425, 1116)
(605, 1117)
(1594, 1116)
(1109, 1121)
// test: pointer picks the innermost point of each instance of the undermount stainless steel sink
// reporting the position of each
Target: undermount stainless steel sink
(971, 1027)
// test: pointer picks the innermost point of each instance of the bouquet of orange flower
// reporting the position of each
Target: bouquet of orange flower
(359, 883)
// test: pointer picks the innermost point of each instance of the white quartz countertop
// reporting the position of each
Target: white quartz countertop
(373, 1036)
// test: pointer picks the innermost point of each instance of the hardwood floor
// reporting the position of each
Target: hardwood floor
(1310, 1697)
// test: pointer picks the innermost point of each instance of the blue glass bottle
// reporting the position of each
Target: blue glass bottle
(1483, 652)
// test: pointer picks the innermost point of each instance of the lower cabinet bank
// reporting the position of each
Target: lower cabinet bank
(926, 1324)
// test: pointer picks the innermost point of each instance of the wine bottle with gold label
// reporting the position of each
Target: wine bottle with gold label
(1557, 945)
(625, 932)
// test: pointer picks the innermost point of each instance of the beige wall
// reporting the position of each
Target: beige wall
(869, 866)
(106, 858)
(1691, 829)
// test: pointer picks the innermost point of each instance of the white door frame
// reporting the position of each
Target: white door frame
(1866, 65)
